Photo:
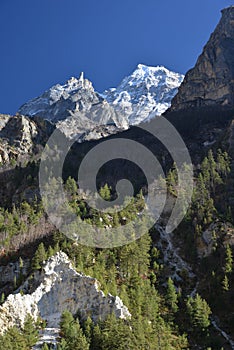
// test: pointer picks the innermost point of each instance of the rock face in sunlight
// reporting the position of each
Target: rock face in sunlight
(57, 288)
(21, 135)
(211, 81)
(75, 108)
(144, 94)
(82, 113)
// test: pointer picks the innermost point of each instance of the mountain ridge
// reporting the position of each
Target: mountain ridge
(76, 108)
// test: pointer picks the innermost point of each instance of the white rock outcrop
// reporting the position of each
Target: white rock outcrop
(57, 288)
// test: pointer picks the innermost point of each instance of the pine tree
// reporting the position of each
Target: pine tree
(172, 180)
(45, 347)
(71, 186)
(77, 340)
(66, 320)
(30, 332)
(223, 163)
(21, 263)
(2, 298)
(143, 258)
(215, 178)
(171, 296)
(14, 340)
(96, 343)
(225, 284)
(115, 335)
(63, 345)
(50, 252)
(105, 192)
(39, 257)
(228, 260)
(72, 332)
(88, 329)
(206, 172)
(199, 312)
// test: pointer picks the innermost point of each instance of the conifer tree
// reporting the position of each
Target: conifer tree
(71, 186)
(115, 335)
(13, 340)
(228, 260)
(172, 180)
(45, 347)
(50, 252)
(96, 343)
(223, 163)
(105, 192)
(199, 312)
(62, 345)
(88, 329)
(72, 332)
(171, 296)
(215, 178)
(21, 263)
(2, 298)
(39, 257)
(225, 283)
(30, 332)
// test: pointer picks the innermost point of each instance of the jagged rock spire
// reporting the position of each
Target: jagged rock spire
(81, 78)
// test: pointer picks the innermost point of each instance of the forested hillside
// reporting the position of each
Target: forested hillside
(167, 312)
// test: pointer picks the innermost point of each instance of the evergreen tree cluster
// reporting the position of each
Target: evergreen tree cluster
(213, 174)
(20, 339)
(116, 334)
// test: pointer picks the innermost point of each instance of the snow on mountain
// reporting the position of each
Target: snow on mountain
(75, 108)
(53, 103)
(79, 111)
(144, 94)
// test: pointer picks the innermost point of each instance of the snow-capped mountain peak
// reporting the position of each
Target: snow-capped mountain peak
(144, 94)
(71, 86)
(41, 104)
(76, 108)
(143, 72)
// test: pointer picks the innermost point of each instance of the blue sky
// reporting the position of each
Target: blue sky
(44, 42)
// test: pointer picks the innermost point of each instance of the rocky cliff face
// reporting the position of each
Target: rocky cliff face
(211, 81)
(57, 288)
(20, 135)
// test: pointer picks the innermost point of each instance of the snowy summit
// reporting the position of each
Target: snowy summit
(78, 110)
(144, 94)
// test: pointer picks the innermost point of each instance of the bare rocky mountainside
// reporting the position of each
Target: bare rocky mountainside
(21, 136)
(211, 81)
